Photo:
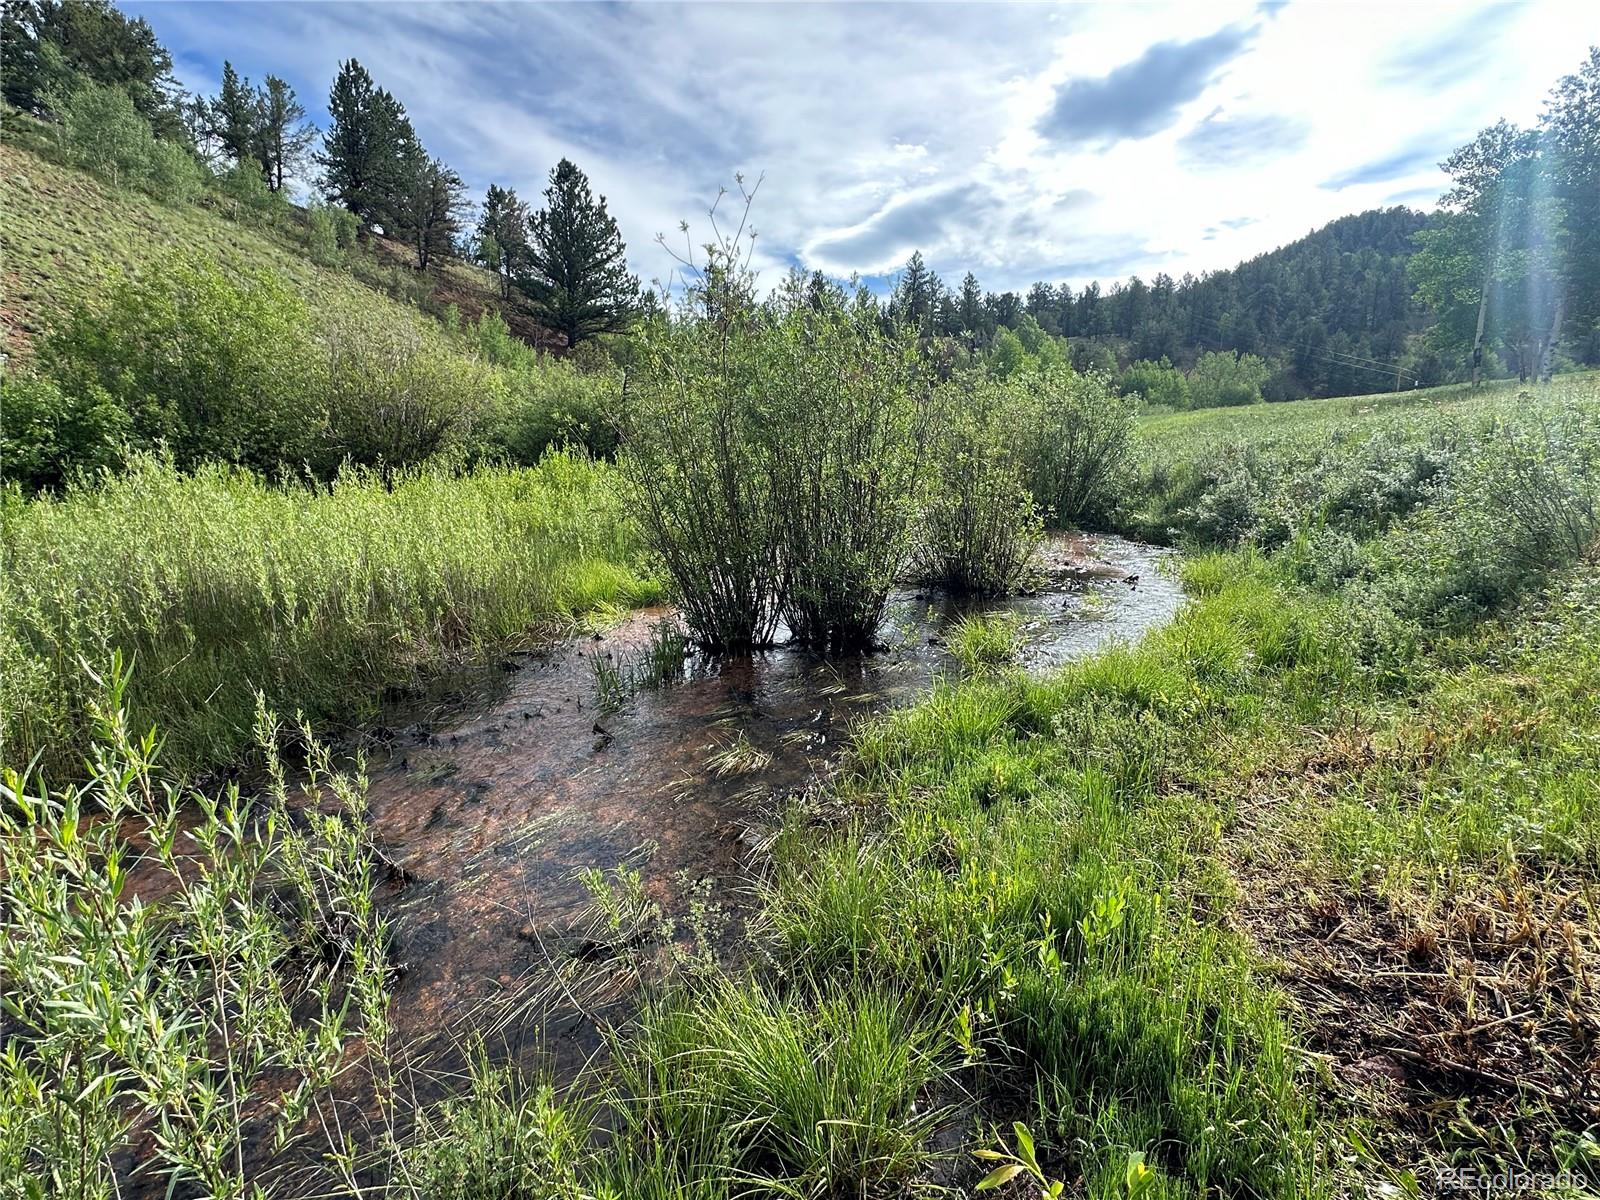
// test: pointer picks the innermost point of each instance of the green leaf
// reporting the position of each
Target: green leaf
(998, 1176)
(1024, 1143)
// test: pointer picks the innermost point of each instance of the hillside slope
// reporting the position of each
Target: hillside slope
(64, 231)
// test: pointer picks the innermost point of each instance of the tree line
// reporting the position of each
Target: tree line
(1504, 279)
(1511, 266)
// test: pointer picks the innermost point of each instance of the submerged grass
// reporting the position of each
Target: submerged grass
(216, 585)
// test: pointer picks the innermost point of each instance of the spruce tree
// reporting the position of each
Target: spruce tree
(236, 118)
(973, 317)
(577, 274)
(915, 301)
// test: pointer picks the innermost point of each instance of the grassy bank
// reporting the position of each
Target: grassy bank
(215, 585)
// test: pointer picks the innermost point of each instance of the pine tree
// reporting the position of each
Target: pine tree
(430, 218)
(915, 300)
(48, 46)
(970, 311)
(284, 134)
(369, 150)
(236, 118)
(503, 236)
(577, 274)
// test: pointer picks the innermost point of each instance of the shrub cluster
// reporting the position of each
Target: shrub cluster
(1158, 384)
(184, 1028)
(1224, 378)
(775, 456)
(980, 527)
(208, 366)
(102, 132)
(790, 459)
(1075, 439)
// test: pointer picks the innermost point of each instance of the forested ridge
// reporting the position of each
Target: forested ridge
(1335, 310)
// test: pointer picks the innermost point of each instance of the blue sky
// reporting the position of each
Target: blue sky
(1022, 142)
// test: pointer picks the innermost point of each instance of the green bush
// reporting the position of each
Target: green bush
(330, 234)
(1157, 383)
(1074, 434)
(104, 134)
(775, 455)
(847, 413)
(545, 401)
(979, 529)
(48, 435)
(223, 368)
(212, 367)
(174, 175)
(245, 197)
(395, 395)
(211, 1014)
(1223, 378)
(695, 470)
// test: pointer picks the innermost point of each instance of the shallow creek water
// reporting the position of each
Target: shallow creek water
(493, 805)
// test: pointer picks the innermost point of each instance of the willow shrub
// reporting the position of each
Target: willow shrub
(775, 456)
(211, 1013)
(218, 584)
(695, 471)
(397, 395)
(979, 528)
(1074, 434)
(849, 412)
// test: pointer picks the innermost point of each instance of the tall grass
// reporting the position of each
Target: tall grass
(203, 1016)
(216, 585)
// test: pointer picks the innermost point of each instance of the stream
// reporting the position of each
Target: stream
(493, 805)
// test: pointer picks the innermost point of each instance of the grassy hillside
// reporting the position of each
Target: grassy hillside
(64, 230)
(1349, 412)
